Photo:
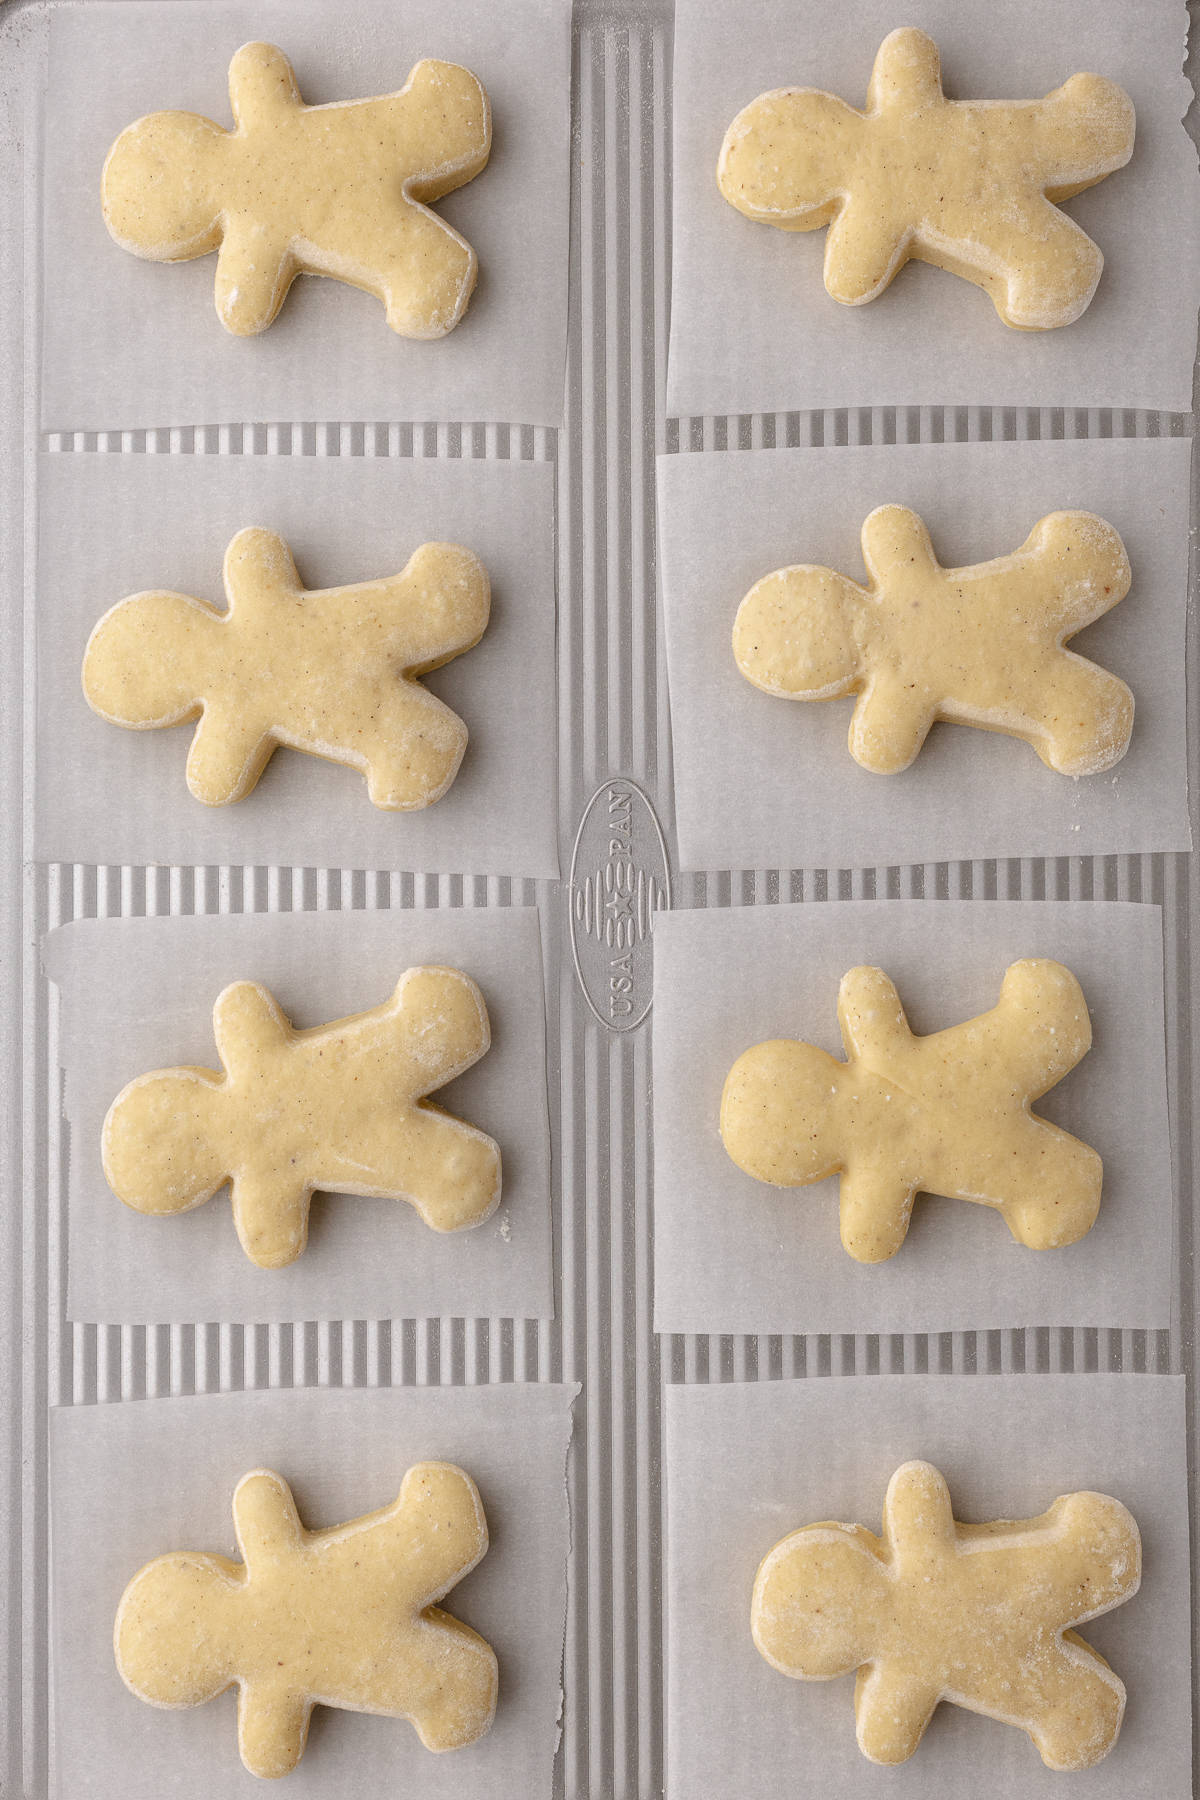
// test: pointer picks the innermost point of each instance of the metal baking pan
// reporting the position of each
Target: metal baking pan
(614, 767)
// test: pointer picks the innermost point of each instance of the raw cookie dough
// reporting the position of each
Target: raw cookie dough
(946, 1114)
(982, 645)
(975, 1614)
(341, 1107)
(342, 1617)
(967, 185)
(323, 190)
(333, 672)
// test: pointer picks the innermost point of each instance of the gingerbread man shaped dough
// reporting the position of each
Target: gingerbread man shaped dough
(324, 190)
(947, 1114)
(343, 1617)
(970, 186)
(333, 672)
(982, 645)
(974, 1614)
(341, 1107)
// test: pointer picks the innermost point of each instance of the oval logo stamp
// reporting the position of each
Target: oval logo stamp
(620, 878)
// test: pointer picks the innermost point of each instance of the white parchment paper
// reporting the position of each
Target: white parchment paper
(114, 525)
(752, 328)
(137, 995)
(733, 1254)
(344, 1453)
(767, 782)
(749, 1462)
(132, 343)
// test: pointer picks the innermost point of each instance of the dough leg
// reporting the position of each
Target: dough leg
(440, 1531)
(417, 753)
(449, 587)
(1056, 276)
(1088, 714)
(1075, 565)
(1076, 1700)
(1080, 133)
(1055, 1180)
(1038, 1031)
(427, 275)
(449, 1696)
(463, 1032)
(447, 128)
(449, 1171)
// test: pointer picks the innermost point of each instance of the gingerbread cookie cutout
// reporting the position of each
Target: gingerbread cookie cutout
(947, 1114)
(324, 190)
(333, 672)
(981, 645)
(342, 1617)
(970, 186)
(975, 1614)
(340, 1107)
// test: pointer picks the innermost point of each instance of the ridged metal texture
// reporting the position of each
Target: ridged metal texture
(613, 719)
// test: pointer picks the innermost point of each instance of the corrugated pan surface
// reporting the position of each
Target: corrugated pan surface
(612, 721)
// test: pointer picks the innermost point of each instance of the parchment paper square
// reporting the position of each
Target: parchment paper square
(733, 1254)
(767, 782)
(137, 994)
(115, 525)
(130, 343)
(752, 328)
(344, 1452)
(749, 1462)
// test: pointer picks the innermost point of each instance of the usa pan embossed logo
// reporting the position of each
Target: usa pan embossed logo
(620, 878)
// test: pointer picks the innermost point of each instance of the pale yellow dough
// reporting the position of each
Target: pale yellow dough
(323, 190)
(947, 1114)
(981, 645)
(974, 1614)
(332, 672)
(970, 186)
(341, 1107)
(342, 1617)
